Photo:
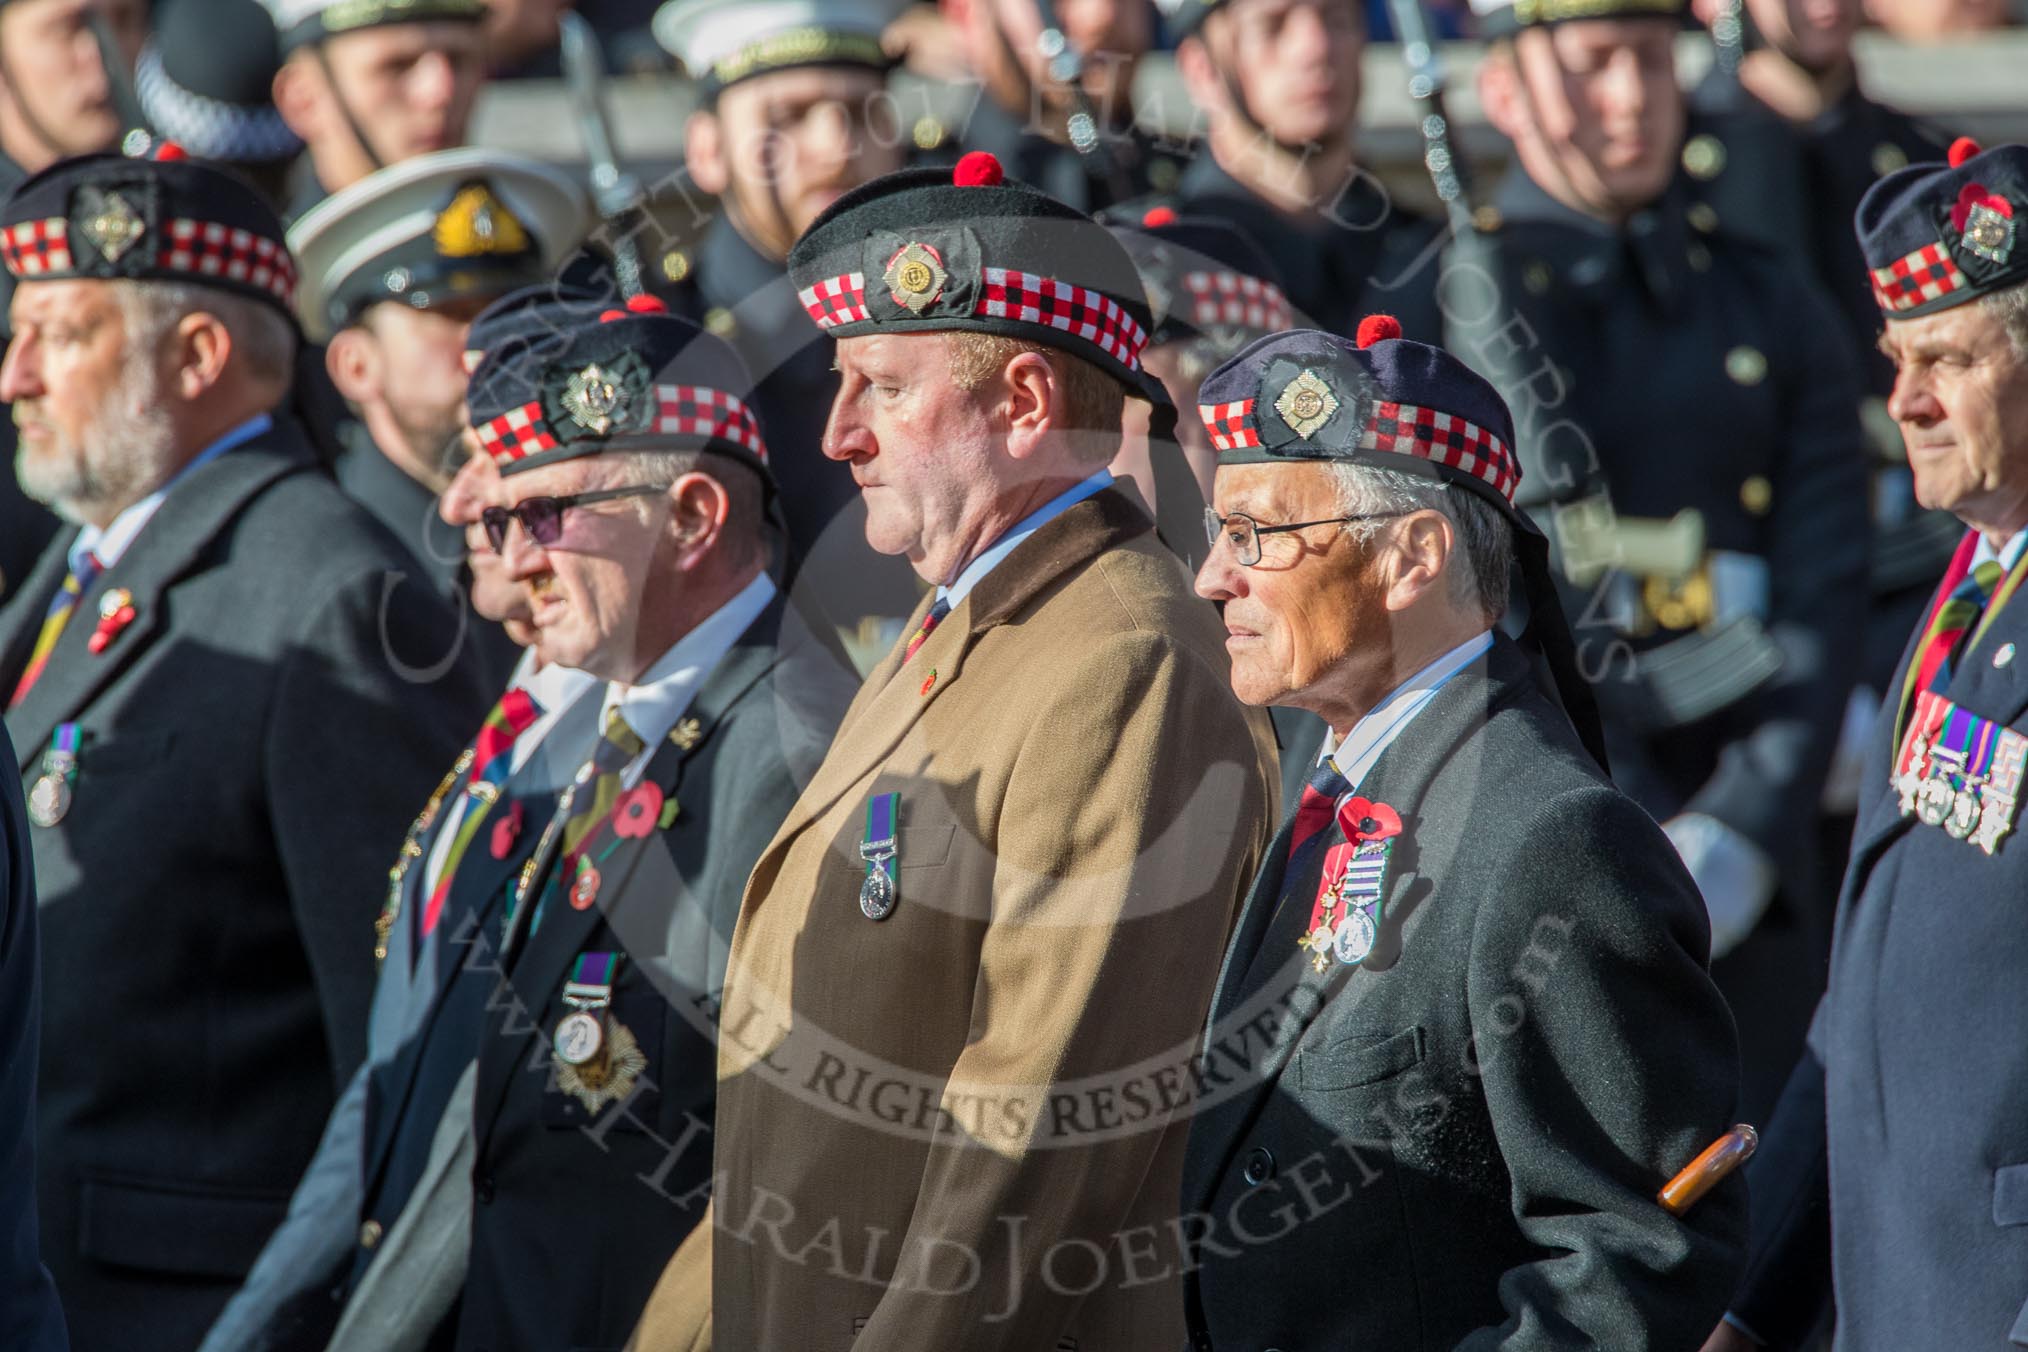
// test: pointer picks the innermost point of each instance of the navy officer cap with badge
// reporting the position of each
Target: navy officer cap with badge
(1202, 274)
(461, 224)
(721, 42)
(936, 250)
(632, 379)
(165, 218)
(305, 23)
(1381, 400)
(1937, 235)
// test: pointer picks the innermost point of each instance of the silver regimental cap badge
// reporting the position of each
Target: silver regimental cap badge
(594, 399)
(1306, 404)
(112, 225)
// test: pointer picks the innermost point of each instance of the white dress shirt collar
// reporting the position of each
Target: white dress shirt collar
(653, 704)
(1374, 733)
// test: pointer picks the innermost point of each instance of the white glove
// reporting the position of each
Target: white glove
(1735, 875)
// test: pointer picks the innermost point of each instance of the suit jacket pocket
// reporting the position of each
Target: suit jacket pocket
(1358, 1058)
(2010, 1194)
(164, 1225)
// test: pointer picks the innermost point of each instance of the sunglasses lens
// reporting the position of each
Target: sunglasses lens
(494, 519)
(543, 519)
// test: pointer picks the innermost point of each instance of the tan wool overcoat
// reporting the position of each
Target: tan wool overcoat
(962, 1126)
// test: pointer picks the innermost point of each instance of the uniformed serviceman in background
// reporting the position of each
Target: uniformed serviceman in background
(1059, 111)
(224, 716)
(1278, 81)
(1010, 879)
(1892, 1183)
(795, 114)
(206, 81)
(369, 83)
(1782, 150)
(1694, 441)
(394, 268)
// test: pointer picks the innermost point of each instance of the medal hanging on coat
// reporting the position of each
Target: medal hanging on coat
(1352, 894)
(49, 799)
(596, 1057)
(1960, 772)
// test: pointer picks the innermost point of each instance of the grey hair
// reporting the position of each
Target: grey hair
(2010, 307)
(261, 336)
(746, 497)
(1486, 540)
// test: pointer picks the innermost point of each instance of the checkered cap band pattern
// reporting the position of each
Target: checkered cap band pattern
(1402, 429)
(1917, 279)
(1446, 439)
(1231, 425)
(838, 300)
(699, 410)
(516, 434)
(1067, 308)
(1235, 298)
(680, 410)
(35, 247)
(206, 249)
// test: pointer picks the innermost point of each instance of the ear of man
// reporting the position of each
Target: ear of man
(354, 361)
(202, 349)
(704, 152)
(299, 96)
(1423, 550)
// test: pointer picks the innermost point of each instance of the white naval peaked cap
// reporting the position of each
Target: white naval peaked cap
(469, 222)
(721, 42)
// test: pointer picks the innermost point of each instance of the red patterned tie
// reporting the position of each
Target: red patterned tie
(929, 624)
(1319, 801)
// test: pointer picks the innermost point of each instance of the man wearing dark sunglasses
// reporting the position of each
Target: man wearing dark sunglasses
(562, 1069)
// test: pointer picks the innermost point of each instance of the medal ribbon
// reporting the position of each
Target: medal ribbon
(516, 712)
(591, 978)
(878, 849)
(75, 585)
(1325, 911)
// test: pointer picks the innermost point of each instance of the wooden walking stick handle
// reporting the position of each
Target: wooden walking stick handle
(1709, 1169)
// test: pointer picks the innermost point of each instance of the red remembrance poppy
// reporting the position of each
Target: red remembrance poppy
(636, 812)
(507, 830)
(1362, 820)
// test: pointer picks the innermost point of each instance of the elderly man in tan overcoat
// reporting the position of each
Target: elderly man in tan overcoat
(959, 1030)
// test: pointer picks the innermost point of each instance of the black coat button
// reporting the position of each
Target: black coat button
(482, 1192)
(1260, 1167)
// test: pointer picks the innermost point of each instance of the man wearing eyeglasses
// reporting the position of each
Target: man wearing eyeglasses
(1476, 968)
(538, 1148)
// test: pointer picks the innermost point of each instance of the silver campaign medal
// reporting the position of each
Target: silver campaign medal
(578, 1038)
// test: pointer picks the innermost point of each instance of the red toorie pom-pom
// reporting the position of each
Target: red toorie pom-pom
(978, 169)
(1378, 328)
(1962, 149)
(608, 316)
(1159, 216)
(169, 150)
(647, 305)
